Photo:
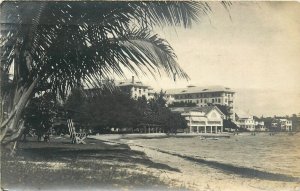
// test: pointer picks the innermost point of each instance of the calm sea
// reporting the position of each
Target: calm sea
(276, 154)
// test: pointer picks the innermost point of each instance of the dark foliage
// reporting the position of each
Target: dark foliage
(114, 109)
(40, 113)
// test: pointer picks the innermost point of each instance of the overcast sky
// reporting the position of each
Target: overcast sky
(256, 52)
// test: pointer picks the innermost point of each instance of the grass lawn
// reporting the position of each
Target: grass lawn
(59, 164)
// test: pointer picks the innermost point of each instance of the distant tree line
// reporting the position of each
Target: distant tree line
(113, 109)
(295, 122)
(102, 112)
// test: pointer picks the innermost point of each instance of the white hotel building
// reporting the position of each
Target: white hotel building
(136, 89)
(204, 96)
(207, 119)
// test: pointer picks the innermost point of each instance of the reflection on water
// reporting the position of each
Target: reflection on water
(277, 154)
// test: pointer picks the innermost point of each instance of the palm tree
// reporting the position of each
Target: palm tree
(59, 45)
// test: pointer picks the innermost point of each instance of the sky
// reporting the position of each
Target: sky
(254, 48)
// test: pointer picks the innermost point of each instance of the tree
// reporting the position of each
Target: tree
(163, 116)
(295, 122)
(116, 109)
(39, 115)
(6, 85)
(101, 112)
(175, 121)
(63, 45)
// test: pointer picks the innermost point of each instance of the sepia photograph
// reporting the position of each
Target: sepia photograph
(150, 95)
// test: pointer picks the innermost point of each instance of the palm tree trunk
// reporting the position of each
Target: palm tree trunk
(1, 95)
(13, 127)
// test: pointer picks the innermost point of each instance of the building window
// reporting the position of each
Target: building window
(219, 100)
(197, 101)
(140, 91)
(213, 100)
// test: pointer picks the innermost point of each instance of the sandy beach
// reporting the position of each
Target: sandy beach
(195, 173)
(154, 162)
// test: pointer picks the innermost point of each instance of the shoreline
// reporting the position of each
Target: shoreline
(200, 176)
(127, 163)
(178, 135)
(210, 175)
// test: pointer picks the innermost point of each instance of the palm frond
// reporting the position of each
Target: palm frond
(72, 42)
(152, 52)
(179, 13)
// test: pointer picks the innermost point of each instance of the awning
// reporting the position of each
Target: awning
(196, 119)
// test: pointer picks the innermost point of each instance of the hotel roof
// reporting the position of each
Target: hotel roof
(129, 83)
(196, 89)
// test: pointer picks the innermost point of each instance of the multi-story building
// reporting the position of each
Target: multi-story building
(136, 89)
(281, 124)
(206, 119)
(246, 122)
(203, 96)
(260, 126)
(285, 124)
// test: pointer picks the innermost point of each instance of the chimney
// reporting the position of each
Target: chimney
(132, 81)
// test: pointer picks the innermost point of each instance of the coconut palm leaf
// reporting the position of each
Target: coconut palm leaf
(111, 17)
(63, 44)
(71, 44)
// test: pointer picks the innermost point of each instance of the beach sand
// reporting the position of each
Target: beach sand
(146, 162)
(194, 175)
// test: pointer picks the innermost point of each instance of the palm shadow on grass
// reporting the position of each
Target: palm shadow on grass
(61, 150)
(108, 154)
(92, 164)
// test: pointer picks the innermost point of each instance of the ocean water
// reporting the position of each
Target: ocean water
(275, 154)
